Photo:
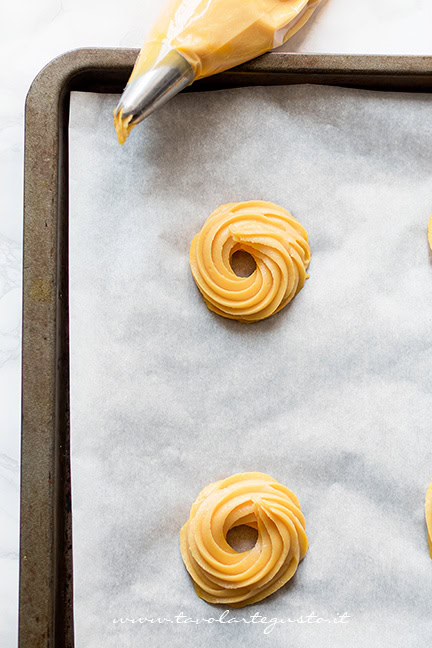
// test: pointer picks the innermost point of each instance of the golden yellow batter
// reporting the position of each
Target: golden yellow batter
(428, 514)
(123, 126)
(223, 575)
(214, 35)
(276, 241)
(430, 232)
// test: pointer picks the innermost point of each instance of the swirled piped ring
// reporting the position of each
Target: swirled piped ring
(428, 514)
(221, 574)
(279, 246)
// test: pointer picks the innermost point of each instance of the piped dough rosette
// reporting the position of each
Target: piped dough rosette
(279, 246)
(428, 515)
(221, 574)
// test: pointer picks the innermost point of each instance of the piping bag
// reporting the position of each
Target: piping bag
(192, 39)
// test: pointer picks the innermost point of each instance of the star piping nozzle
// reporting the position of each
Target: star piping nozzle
(150, 90)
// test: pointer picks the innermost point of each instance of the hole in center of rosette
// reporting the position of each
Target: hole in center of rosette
(242, 538)
(242, 263)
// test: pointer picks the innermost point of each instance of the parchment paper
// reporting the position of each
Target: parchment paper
(331, 396)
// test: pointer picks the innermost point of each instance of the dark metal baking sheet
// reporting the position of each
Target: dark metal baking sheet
(46, 614)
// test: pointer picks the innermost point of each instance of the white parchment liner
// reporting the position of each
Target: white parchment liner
(332, 396)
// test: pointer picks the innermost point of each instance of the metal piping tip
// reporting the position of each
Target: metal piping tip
(151, 90)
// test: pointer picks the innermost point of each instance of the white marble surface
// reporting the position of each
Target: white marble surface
(32, 32)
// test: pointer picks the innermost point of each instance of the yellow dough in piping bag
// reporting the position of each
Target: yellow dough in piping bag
(428, 515)
(221, 574)
(213, 36)
(279, 246)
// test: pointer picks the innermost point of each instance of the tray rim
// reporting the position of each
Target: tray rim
(46, 588)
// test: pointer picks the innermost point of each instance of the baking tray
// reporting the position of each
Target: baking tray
(46, 594)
